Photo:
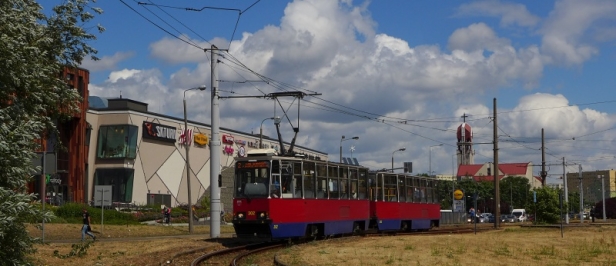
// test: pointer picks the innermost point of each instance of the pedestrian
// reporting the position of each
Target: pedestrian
(472, 214)
(86, 229)
(592, 213)
(167, 215)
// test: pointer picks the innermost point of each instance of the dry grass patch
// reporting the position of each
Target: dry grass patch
(512, 246)
(120, 244)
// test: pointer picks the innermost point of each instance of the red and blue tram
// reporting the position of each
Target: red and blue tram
(281, 197)
(402, 202)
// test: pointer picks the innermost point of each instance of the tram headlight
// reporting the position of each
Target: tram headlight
(240, 215)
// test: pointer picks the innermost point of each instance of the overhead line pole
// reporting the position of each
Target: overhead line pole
(215, 147)
(496, 185)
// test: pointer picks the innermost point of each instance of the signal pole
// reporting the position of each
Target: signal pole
(566, 193)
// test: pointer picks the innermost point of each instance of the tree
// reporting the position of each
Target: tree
(547, 207)
(34, 48)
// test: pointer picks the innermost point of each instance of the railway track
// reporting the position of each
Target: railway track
(234, 255)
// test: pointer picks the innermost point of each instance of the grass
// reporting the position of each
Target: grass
(540, 246)
(118, 244)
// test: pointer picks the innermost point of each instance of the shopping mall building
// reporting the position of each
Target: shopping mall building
(142, 155)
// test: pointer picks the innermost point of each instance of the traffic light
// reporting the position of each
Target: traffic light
(489, 171)
(219, 180)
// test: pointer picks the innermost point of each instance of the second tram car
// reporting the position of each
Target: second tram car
(282, 197)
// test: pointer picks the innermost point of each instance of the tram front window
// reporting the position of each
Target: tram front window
(252, 179)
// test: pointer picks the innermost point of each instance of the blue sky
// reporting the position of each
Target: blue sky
(379, 63)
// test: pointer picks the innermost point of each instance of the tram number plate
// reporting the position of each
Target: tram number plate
(252, 213)
(275, 226)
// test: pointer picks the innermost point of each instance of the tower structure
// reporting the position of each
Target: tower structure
(465, 143)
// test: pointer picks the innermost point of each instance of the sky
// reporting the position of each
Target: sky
(394, 73)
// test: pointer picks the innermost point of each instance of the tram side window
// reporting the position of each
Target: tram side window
(429, 191)
(390, 188)
(353, 187)
(309, 180)
(321, 181)
(362, 188)
(422, 190)
(409, 189)
(344, 186)
(416, 190)
(401, 189)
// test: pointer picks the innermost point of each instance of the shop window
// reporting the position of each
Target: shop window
(117, 142)
(120, 180)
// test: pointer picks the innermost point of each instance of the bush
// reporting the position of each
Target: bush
(71, 212)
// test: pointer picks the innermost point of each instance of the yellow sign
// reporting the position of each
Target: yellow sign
(201, 139)
(458, 194)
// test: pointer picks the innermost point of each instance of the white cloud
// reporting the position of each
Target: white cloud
(105, 62)
(510, 13)
(566, 27)
(333, 48)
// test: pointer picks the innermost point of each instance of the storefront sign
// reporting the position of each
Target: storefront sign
(201, 139)
(227, 139)
(241, 151)
(228, 150)
(159, 132)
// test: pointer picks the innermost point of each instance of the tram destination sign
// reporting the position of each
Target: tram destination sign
(252, 165)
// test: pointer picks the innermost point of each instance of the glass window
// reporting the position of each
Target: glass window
(120, 180)
(309, 180)
(390, 188)
(321, 181)
(353, 180)
(362, 184)
(117, 141)
(252, 179)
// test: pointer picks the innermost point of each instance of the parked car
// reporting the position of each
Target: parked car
(485, 217)
(520, 214)
(508, 218)
(469, 219)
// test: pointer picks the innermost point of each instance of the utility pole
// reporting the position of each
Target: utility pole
(496, 188)
(566, 193)
(581, 196)
(215, 148)
(544, 174)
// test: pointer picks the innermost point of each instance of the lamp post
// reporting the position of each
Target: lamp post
(430, 174)
(341, 140)
(261, 132)
(603, 194)
(392, 157)
(187, 147)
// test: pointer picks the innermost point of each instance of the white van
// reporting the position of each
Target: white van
(520, 214)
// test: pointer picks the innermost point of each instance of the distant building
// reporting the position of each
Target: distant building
(485, 172)
(591, 184)
(465, 152)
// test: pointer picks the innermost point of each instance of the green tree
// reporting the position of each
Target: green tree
(547, 207)
(34, 48)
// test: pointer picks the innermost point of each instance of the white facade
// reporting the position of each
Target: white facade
(159, 164)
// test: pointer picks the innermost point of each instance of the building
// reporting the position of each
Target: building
(66, 167)
(465, 152)
(142, 154)
(484, 172)
(591, 184)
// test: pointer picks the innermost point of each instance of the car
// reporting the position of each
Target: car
(508, 218)
(469, 218)
(484, 217)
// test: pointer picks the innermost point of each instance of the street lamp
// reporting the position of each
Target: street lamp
(187, 147)
(392, 157)
(341, 140)
(430, 174)
(261, 132)
(602, 194)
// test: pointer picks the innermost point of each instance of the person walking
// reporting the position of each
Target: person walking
(167, 215)
(86, 229)
(593, 213)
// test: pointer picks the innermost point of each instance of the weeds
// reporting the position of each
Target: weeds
(77, 250)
